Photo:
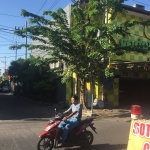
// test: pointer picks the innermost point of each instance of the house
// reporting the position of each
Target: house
(133, 82)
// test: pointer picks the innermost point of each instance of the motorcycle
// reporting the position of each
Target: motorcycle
(78, 136)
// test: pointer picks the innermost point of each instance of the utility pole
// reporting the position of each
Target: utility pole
(25, 52)
(16, 51)
(4, 63)
(25, 57)
(79, 2)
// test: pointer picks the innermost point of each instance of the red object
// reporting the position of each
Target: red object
(50, 137)
(136, 110)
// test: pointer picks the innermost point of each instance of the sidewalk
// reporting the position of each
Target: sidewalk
(116, 114)
(119, 114)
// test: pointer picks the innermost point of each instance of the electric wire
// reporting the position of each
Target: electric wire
(5, 45)
(6, 32)
(5, 38)
(54, 4)
(7, 27)
(12, 56)
(42, 6)
(11, 15)
(13, 53)
(141, 3)
(6, 35)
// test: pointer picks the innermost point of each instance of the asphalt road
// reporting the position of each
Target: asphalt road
(21, 123)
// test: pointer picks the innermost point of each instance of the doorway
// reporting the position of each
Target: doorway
(134, 92)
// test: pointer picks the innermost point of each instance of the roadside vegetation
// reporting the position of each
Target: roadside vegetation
(32, 81)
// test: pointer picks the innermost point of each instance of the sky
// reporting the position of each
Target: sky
(10, 18)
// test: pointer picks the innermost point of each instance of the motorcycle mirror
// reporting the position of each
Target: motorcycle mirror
(55, 112)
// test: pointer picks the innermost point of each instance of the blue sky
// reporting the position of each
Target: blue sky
(10, 18)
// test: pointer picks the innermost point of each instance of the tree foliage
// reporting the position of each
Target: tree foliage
(85, 45)
(32, 80)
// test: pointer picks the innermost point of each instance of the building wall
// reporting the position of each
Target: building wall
(138, 34)
(43, 53)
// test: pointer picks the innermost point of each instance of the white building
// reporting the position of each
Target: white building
(44, 54)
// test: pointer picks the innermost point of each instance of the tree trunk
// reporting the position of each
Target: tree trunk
(82, 93)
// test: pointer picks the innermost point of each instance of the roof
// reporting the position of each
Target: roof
(137, 10)
(127, 7)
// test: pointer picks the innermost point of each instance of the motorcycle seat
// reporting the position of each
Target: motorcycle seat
(86, 120)
(73, 131)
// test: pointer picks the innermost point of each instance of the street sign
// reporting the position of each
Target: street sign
(139, 135)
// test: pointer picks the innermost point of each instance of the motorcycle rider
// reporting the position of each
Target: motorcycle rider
(72, 120)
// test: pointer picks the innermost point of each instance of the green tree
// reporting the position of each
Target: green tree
(31, 79)
(86, 44)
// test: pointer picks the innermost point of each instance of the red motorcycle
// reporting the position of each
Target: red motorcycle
(78, 136)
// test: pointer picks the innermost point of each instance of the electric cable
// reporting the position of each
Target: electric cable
(11, 15)
(6, 32)
(7, 27)
(54, 4)
(13, 53)
(5, 45)
(141, 3)
(42, 6)
(5, 38)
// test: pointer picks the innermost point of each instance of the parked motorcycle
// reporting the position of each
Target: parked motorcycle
(78, 136)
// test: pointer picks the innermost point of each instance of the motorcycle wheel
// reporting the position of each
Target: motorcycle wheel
(45, 143)
(87, 139)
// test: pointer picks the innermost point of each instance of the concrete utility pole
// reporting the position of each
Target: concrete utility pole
(79, 2)
(25, 52)
(16, 51)
(25, 57)
(4, 63)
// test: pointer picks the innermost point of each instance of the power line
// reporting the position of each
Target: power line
(5, 45)
(6, 32)
(12, 56)
(12, 42)
(42, 6)
(12, 53)
(4, 41)
(141, 3)
(54, 4)
(7, 27)
(5, 38)
(11, 15)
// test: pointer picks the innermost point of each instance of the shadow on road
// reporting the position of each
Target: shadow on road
(103, 147)
(12, 108)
